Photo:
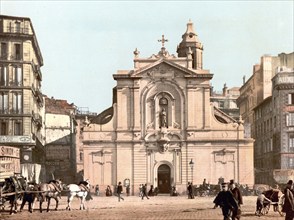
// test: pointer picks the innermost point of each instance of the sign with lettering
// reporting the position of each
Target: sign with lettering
(7, 151)
(9, 160)
(15, 139)
(289, 108)
(285, 79)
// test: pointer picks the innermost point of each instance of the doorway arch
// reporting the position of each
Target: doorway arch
(164, 178)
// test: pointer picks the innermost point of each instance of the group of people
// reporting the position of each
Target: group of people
(143, 191)
(230, 201)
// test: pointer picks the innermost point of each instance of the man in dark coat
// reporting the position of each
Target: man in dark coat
(190, 191)
(226, 201)
(119, 191)
(288, 206)
(238, 197)
(144, 191)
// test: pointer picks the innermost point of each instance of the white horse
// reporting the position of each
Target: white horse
(80, 191)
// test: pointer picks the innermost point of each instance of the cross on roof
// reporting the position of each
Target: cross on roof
(162, 40)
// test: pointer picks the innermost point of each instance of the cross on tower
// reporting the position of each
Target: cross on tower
(162, 40)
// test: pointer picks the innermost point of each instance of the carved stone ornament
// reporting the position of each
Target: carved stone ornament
(223, 156)
(163, 145)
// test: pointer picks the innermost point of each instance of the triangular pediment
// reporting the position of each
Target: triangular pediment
(163, 66)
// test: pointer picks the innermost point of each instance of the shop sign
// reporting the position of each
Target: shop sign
(7, 151)
(15, 139)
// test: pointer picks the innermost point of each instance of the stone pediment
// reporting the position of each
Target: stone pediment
(163, 66)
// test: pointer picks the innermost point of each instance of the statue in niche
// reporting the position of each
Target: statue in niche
(163, 119)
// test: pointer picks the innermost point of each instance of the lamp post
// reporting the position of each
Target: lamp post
(191, 164)
(239, 123)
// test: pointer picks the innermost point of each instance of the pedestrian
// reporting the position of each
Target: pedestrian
(119, 191)
(144, 191)
(204, 184)
(97, 190)
(108, 191)
(238, 197)
(226, 201)
(141, 190)
(128, 190)
(190, 191)
(260, 203)
(151, 191)
(288, 206)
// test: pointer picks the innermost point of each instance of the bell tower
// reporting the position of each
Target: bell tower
(190, 41)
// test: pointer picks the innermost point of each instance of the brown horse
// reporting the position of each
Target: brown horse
(48, 191)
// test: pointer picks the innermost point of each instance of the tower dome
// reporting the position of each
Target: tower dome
(191, 42)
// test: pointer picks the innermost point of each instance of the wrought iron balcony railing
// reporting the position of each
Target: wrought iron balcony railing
(10, 29)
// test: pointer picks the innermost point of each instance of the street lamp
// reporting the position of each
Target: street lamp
(191, 163)
(239, 123)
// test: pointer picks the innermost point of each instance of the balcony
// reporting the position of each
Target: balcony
(17, 30)
(4, 111)
(37, 119)
(37, 93)
(39, 96)
(34, 90)
(38, 73)
(16, 111)
(37, 70)
(16, 57)
(15, 83)
(7, 111)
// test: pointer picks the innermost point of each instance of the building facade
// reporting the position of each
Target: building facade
(162, 128)
(83, 117)
(259, 86)
(60, 145)
(274, 126)
(21, 102)
(260, 116)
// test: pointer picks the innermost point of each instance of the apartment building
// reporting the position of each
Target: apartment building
(264, 106)
(60, 143)
(21, 100)
(274, 131)
(259, 86)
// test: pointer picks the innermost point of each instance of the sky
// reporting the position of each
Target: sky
(83, 43)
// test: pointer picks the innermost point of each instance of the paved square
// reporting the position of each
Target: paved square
(133, 207)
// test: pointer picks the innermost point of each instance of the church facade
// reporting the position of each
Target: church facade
(162, 128)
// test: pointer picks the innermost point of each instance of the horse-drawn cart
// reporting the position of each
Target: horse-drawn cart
(11, 189)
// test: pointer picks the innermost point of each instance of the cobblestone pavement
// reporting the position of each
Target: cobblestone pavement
(159, 207)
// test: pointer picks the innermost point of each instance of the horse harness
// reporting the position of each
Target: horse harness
(83, 187)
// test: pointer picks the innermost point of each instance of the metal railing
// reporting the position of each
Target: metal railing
(18, 30)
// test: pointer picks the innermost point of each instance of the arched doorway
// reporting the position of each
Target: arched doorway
(163, 178)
